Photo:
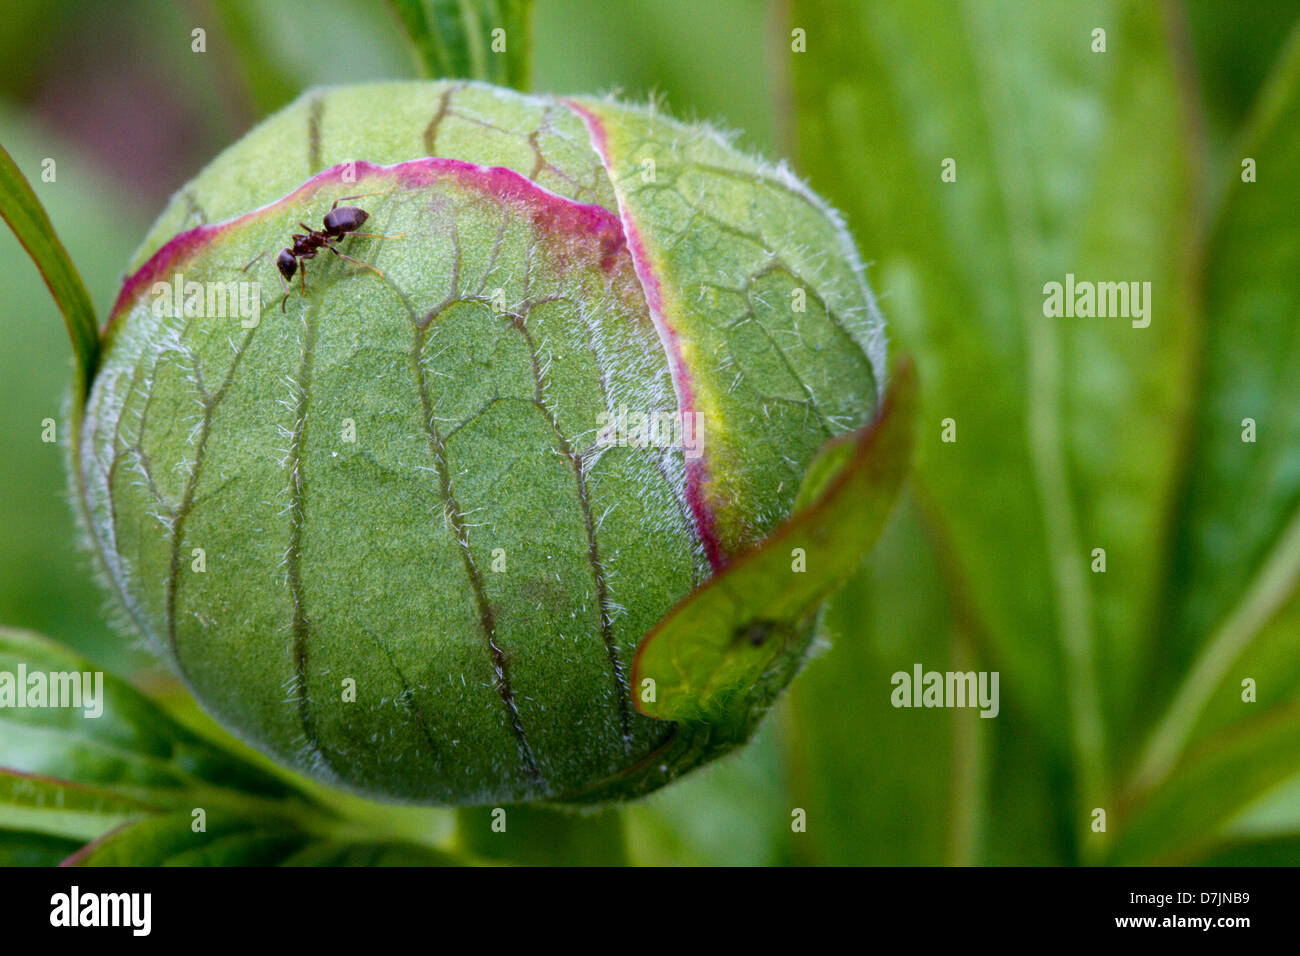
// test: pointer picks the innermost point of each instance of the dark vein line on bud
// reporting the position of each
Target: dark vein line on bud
(408, 697)
(209, 405)
(111, 568)
(110, 477)
(315, 110)
(622, 689)
(164, 507)
(301, 623)
(194, 212)
(456, 518)
(431, 131)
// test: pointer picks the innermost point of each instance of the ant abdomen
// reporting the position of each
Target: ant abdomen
(345, 219)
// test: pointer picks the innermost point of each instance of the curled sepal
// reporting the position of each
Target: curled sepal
(710, 655)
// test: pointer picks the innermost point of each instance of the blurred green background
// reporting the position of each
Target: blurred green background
(1119, 691)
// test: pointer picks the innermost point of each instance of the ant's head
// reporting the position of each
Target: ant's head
(286, 263)
(345, 219)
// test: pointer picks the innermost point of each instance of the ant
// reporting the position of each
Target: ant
(338, 225)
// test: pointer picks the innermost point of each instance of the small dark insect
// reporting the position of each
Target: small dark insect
(755, 632)
(338, 225)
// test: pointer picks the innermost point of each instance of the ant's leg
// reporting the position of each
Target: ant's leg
(364, 265)
(362, 196)
(284, 285)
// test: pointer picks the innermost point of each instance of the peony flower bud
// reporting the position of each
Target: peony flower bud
(402, 519)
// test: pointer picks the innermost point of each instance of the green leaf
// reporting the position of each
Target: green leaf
(1067, 430)
(132, 748)
(542, 836)
(30, 223)
(1282, 851)
(171, 840)
(732, 812)
(22, 848)
(456, 38)
(44, 586)
(708, 653)
(373, 853)
(1236, 558)
(853, 757)
(238, 840)
(268, 83)
(1186, 816)
(41, 805)
(884, 785)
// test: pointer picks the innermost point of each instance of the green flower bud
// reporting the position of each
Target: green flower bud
(404, 525)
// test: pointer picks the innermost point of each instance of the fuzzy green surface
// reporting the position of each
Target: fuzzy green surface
(475, 560)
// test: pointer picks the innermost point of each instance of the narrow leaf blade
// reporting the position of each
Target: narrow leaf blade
(1186, 816)
(238, 840)
(30, 223)
(460, 38)
(41, 805)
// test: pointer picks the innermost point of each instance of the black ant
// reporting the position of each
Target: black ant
(338, 225)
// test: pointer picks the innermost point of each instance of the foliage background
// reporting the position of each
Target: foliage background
(1119, 166)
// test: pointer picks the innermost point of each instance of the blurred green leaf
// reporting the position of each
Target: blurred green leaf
(685, 54)
(139, 774)
(1236, 556)
(540, 836)
(30, 223)
(47, 583)
(171, 840)
(880, 785)
(236, 840)
(734, 811)
(460, 39)
(41, 805)
(1063, 165)
(269, 84)
(133, 749)
(339, 852)
(713, 647)
(21, 848)
(1284, 851)
(1232, 48)
(1067, 162)
(1184, 817)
